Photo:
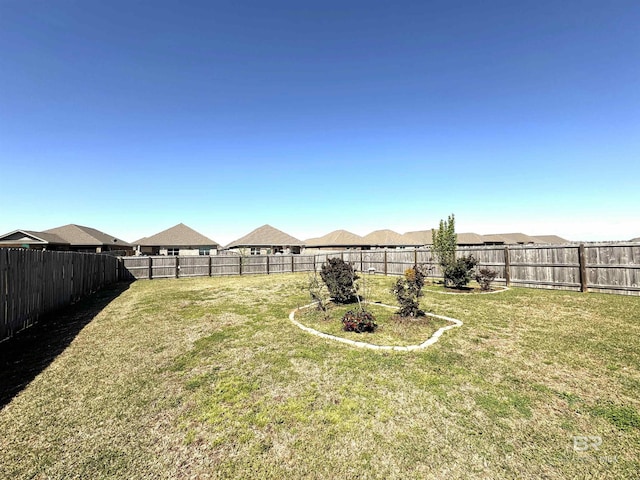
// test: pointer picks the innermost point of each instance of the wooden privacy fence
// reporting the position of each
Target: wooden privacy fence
(598, 267)
(133, 268)
(34, 282)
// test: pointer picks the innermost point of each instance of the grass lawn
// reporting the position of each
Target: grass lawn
(207, 378)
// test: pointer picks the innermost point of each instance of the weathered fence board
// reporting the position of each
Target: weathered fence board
(613, 268)
(194, 266)
(4, 318)
(226, 265)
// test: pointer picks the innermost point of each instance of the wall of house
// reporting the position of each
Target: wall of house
(186, 252)
(261, 250)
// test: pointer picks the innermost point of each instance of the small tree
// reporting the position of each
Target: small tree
(444, 243)
(340, 277)
(408, 291)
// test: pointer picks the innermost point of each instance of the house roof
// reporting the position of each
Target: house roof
(469, 238)
(419, 237)
(510, 238)
(266, 236)
(177, 236)
(32, 237)
(551, 239)
(80, 235)
(384, 238)
(336, 238)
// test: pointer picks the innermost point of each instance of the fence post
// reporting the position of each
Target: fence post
(210, 268)
(507, 267)
(583, 267)
(267, 264)
(240, 264)
(415, 259)
(361, 263)
(292, 264)
(177, 267)
(385, 262)
(150, 268)
(342, 256)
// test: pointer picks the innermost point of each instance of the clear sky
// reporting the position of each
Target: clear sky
(133, 116)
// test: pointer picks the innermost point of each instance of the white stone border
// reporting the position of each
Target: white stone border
(433, 339)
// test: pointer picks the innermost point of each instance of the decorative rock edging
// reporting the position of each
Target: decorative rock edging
(433, 339)
(502, 289)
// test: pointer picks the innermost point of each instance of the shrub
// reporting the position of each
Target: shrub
(458, 272)
(358, 321)
(408, 291)
(340, 277)
(484, 277)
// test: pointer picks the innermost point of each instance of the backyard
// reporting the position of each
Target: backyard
(208, 378)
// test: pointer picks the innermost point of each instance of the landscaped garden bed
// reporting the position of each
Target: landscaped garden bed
(392, 329)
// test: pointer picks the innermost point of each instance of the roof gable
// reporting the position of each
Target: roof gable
(32, 238)
(80, 235)
(337, 238)
(177, 236)
(384, 237)
(266, 236)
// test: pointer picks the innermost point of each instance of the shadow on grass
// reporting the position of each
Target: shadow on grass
(31, 350)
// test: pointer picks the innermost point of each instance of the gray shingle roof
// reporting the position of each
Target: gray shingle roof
(510, 238)
(384, 238)
(266, 236)
(32, 237)
(336, 238)
(469, 238)
(551, 239)
(80, 235)
(419, 238)
(177, 236)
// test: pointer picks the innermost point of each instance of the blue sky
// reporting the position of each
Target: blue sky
(133, 116)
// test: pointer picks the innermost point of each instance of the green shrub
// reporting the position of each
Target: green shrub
(340, 277)
(458, 272)
(408, 290)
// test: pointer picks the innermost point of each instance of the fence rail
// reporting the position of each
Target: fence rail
(598, 267)
(34, 282)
